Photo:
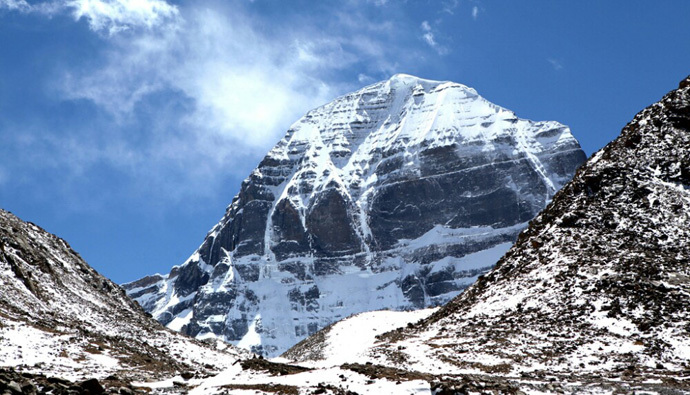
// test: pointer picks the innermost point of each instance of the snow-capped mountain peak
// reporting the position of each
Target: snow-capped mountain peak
(395, 196)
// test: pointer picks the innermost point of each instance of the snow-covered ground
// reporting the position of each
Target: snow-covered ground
(346, 341)
(305, 382)
(351, 339)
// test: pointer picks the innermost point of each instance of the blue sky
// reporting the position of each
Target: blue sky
(126, 126)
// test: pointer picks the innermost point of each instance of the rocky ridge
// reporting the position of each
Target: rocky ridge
(60, 318)
(396, 196)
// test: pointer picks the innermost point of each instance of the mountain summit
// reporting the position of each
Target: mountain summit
(396, 196)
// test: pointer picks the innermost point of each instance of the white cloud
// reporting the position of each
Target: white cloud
(475, 12)
(117, 15)
(557, 64)
(240, 89)
(245, 89)
(15, 5)
(183, 101)
(365, 79)
(450, 6)
(109, 16)
(430, 39)
(240, 93)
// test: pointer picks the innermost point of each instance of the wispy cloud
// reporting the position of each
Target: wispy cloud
(244, 88)
(239, 91)
(364, 79)
(557, 64)
(429, 37)
(450, 6)
(117, 15)
(202, 90)
(15, 5)
(49, 8)
(110, 16)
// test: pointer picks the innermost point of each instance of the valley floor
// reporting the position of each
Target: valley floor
(338, 361)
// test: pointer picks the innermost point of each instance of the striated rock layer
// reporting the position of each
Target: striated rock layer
(395, 196)
(598, 285)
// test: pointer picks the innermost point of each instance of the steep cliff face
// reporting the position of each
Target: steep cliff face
(395, 196)
(59, 317)
(598, 285)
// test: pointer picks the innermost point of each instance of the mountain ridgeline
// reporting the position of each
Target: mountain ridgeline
(396, 196)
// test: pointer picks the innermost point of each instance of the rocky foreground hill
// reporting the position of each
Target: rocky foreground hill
(396, 196)
(64, 328)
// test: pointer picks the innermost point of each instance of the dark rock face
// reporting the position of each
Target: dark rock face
(408, 209)
(331, 227)
(599, 282)
(189, 279)
(395, 196)
(292, 238)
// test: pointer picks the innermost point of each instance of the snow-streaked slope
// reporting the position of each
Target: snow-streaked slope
(395, 196)
(349, 340)
(60, 317)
